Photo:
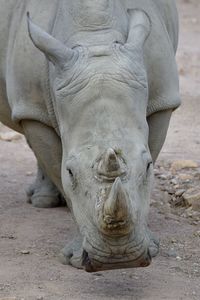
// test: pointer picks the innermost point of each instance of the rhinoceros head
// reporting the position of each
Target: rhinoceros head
(101, 94)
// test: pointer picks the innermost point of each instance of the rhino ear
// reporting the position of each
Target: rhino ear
(139, 28)
(54, 50)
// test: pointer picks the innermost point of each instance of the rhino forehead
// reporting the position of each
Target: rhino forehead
(97, 70)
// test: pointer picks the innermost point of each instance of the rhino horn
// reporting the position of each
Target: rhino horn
(139, 28)
(116, 207)
(109, 163)
(54, 50)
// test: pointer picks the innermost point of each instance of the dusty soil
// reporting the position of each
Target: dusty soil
(31, 238)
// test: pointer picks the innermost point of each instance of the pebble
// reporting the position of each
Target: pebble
(178, 258)
(185, 177)
(180, 192)
(172, 253)
(25, 252)
(174, 181)
(197, 234)
(177, 186)
(173, 240)
(192, 198)
(162, 177)
(10, 136)
(183, 164)
(29, 173)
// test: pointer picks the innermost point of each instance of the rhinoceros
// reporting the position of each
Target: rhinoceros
(92, 85)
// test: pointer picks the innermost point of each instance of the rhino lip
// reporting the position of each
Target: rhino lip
(89, 267)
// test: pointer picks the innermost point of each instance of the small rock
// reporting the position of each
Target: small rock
(29, 173)
(156, 172)
(178, 258)
(196, 223)
(174, 181)
(172, 253)
(173, 241)
(189, 212)
(183, 164)
(180, 192)
(177, 186)
(10, 136)
(192, 198)
(40, 298)
(25, 252)
(197, 234)
(162, 177)
(185, 177)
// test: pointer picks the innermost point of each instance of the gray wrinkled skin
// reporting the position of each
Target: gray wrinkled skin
(92, 85)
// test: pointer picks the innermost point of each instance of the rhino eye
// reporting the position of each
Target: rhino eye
(72, 178)
(70, 173)
(149, 165)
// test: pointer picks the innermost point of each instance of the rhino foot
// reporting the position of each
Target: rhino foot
(72, 254)
(154, 244)
(43, 193)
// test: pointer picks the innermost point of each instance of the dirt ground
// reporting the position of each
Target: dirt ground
(31, 238)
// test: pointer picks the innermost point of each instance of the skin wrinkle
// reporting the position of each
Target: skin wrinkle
(111, 252)
(119, 262)
(69, 91)
(134, 80)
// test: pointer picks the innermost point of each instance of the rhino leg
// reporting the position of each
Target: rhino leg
(72, 254)
(46, 145)
(154, 243)
(158, 126)
(43, 193)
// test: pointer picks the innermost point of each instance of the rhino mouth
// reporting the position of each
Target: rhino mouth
(94, 262)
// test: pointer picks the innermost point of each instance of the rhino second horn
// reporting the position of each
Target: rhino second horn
(116, 207)
(109, 163)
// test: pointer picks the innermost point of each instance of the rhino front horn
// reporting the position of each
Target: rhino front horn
(116, 211)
